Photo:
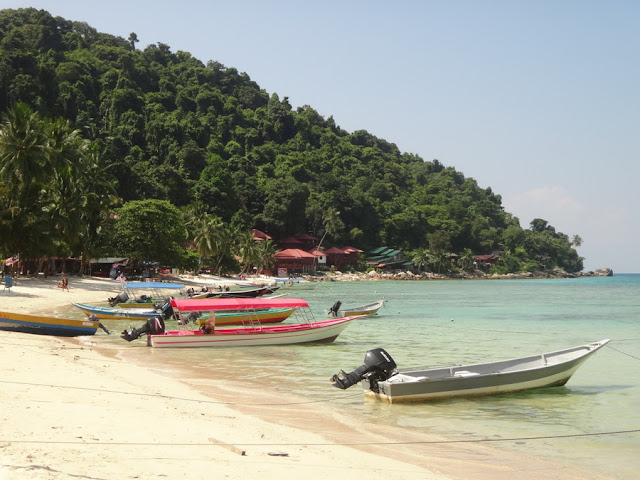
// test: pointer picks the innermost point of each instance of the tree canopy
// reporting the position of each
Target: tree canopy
(158, 125)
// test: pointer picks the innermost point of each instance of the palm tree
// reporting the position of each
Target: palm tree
(210, 237)
(246, 250)
(576, 241)
(465, 261)
(23, 148)
(331, 223)
(266, 250)
(22, 170)
(421, 258)
(439, 259)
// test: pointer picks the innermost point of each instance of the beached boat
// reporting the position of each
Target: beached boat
(306, 330)
(267, 315)
(381, 379)
(144, 294)
(111, 313)
(368, 309)
(38, 324)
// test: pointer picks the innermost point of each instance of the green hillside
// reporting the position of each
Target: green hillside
(161, 125)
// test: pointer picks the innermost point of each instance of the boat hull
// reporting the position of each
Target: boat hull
(41, 325)
(370, 309)
(319, 332)
(227, 318)
(540, 371)
(109, 313)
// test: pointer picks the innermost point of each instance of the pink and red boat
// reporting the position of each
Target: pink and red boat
(190, 312)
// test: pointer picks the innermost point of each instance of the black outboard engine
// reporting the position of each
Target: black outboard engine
(120, 298)
(154, 326)
(378, 366)
(94, 318)
(190, 317)
(336, 307)
(165, 308)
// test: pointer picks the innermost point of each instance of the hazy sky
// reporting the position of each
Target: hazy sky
(539, 100)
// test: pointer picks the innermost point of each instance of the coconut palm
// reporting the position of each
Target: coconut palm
(266, 250)
(210, 237)
(246, 249)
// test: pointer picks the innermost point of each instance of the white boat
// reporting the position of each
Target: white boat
(368, 309)
(381, 379)
(144, 294)
(306, 330)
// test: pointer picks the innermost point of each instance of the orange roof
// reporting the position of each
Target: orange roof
(293, 253)
(335, 250)
(259, 235)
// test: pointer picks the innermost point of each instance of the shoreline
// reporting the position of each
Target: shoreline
(71, 407)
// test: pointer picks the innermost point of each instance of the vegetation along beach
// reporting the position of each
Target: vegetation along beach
(122, 164)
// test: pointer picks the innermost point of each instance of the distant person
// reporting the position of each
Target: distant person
(64, 283)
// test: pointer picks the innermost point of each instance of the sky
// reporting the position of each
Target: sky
(538, 100)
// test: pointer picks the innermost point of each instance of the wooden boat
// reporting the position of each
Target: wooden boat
(253, 334)
(61, 327)
(144, 294)
(381, 379)
(368, 309)
(268, 315)
(110, 313)
(238, 293)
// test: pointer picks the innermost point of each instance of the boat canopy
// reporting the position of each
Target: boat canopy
(208, 304)
(155, 285)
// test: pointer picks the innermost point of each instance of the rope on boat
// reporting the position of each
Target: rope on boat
(623, 353)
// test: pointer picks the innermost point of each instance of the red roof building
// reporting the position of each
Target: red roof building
(294, 260)
(259, 236)
(308, 241)
(289, 242)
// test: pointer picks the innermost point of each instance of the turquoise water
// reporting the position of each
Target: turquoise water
(463, 321)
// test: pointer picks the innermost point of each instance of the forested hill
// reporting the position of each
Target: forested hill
(170, 127)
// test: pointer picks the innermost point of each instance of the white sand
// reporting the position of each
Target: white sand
(69, 411)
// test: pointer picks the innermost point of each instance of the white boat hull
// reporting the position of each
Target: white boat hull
(320, 332)
(546, 370)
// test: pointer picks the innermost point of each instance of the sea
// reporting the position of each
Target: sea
(592, 423)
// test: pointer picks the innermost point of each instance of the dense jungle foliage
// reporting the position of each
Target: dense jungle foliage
(92, 124)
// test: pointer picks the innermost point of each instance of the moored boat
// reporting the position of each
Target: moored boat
(369, 309)
(144, 294)
(306, 330)
(43, 325)
(380, 378)
(268, 315)
(110, 313)
(251, 292)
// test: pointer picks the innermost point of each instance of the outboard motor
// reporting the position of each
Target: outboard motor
(154, 326)
(94, 318)
(378, 366)
(120, 298)
(336, 307)
(190, 317)
(165, 308)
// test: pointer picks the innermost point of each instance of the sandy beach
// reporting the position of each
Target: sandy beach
(69, 409)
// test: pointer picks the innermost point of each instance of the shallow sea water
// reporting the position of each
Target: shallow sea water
(429, 323)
